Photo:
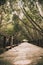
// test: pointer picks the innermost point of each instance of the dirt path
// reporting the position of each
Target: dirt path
(24, 54)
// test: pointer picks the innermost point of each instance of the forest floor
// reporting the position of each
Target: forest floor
(23, 54)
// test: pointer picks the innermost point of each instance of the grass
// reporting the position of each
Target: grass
(40, 62)
(1, 50)
(4, 62)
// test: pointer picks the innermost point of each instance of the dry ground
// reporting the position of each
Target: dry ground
(23, 54)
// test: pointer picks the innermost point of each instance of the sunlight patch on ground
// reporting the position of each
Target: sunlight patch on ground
(23, 62)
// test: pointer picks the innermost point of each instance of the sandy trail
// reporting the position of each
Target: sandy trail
(23, 54)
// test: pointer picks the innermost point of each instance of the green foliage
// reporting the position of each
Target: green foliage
(11, 13)
(2, 2)
(40, 1)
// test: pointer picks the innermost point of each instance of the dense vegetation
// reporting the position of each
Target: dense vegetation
(22, 19)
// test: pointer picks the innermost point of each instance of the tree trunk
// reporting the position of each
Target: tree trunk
(4, 41)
